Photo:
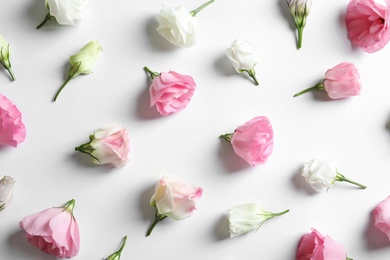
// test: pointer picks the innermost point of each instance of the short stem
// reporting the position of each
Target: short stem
(69, 206)
(152, 74)
(157, 218)
(349, 258)
(197, 10)
(319, 86)
(252, 74)
(47, 18)
(340, 177)
(87, 149)
(226, 137)
(280, 213)
(300, 37)
(61, 88)
(11, 73)
(123, 245)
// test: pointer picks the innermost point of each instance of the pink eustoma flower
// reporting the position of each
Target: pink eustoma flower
(341, 81)
(367, 24)
(382, 216)
(12, 129)
(174, 199)
(253, 141)
(54, 231)
(109, 144)
(314, 246)
(170, 91)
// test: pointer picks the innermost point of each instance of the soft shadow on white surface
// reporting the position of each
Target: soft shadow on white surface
(146, 210)
(155, 39)
(144, 111)
(221, 229)
(18, 243)
(300, 183)
(229, 159)
(223, 66)
(375, 239)
(85, 161)
(285, 12)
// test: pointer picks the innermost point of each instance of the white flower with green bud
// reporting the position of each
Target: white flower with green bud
(4, 56)
(299, 9)
(248, 217)
(82, 62)
(64, 11)
(117, 254)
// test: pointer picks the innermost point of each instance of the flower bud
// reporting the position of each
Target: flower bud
(299, 9)
(6, 191)
(4, 56)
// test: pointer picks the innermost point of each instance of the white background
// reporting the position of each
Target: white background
(112, 203)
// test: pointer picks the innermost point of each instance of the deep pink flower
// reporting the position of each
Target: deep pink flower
(253, 141)
(382, 216)
(109, 144)
(314, 246)
(367, 24)
(341, 81)
(54, 231)
(170, 91)
(12, 129)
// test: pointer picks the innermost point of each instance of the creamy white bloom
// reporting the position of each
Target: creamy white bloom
(66, 11)
(6, 191)
(242, 55)
(178, 26)
(84, 61)
(320, 173)
(248, 217)
(4, 56)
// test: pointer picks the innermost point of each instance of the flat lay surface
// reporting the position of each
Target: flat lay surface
(111, 203)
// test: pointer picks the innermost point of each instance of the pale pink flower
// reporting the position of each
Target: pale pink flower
(314, 246)
(382, 216)
(170, 91)
(54, 231)
(341, 81)
(367, 24)
(253, 141)
(12, 129)
(109, 144)
(174, 199)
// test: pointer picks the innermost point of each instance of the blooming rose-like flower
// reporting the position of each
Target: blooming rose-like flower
(82, 62)
(178, 25)
(299, 9)
(6, 191)
(4, 56)
(368, 24)
(174, 199)
(109, 144)
(242, 56)
(314, 246)
(54, 231)
(341, 81)
(253, 141)
(12, 129)
(321, 174)
(64, 11)
(382, 216)
(170, 91)
(248, 217)
(117, 254)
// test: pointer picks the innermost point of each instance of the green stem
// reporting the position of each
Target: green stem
(152, 74)
(300, 37)
(11, 73)
(252, 74)
(197, 10)
(319, 86)
(87, 149)
(61, 88)
(47, 18)
(349, 258)
(123, 245)
(117, 254)
(280, 213)
(226, 137)
(157, 219)
(340, 177)
(69, 206)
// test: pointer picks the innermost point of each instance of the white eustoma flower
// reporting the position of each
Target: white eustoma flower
(321, 174)
(248, 217)
(242, 56)
(82, 62)
(4, 56)
(64, 11)
(299, 9)
(178, 25)
(6, 191)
